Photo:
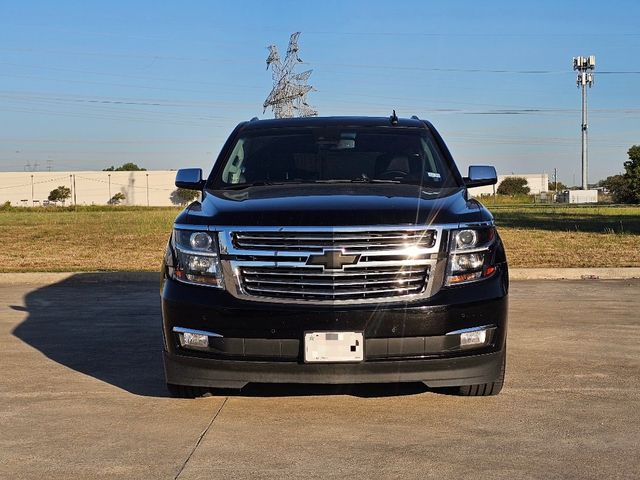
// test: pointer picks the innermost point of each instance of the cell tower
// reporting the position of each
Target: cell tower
(584, 66)
(288, 98)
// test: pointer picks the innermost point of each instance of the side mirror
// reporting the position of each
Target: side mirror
(189, 178)
(480, 175)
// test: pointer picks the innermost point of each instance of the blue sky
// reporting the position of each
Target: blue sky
(84, 85)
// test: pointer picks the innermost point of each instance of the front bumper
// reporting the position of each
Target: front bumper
(404, 342)
(440, 372)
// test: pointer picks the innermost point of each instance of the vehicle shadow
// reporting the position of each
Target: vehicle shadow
(109, 329)
(99, 326)
(369, 390)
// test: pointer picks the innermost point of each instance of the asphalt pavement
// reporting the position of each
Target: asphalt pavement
(82, 395)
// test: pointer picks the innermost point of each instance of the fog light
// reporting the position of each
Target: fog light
(477, 337)
(196, 340)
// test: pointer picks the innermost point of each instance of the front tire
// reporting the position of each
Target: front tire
(485, 389)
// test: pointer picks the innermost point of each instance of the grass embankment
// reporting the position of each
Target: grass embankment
(130, 239)
(570, 236)
(86, 239)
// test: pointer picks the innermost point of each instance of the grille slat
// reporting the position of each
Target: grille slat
(333, 283)
(338, 274)
(310, 293)
(303, 246)
(310, 241)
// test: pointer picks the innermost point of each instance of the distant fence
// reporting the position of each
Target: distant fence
(142, 188)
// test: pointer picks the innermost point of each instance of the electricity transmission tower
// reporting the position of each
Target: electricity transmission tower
(583, 65)
(288, 98)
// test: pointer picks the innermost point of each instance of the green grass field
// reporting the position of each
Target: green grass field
(130, 239)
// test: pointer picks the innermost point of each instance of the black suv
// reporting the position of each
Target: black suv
(335, 250)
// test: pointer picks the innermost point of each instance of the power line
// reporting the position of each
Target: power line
(136, 77)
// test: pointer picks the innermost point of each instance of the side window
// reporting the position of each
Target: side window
(232, 172)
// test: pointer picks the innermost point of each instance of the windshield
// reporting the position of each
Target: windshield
(335, 155)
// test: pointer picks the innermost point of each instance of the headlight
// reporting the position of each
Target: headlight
(197, 258)
(468, 257)
(462, 262)
(472, 238)
(466, 238)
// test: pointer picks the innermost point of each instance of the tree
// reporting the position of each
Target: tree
(626, 188)
(557, 187)
(617, 187)
(182, 196)
(117, 199)
(59, 194)
(125, 167)
(632, 174)
(513, 186)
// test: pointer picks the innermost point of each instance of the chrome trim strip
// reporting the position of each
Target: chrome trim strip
(202, 253)
(470, 250)
(334, 274)
(196, 332)
(339, 283)
(471, 329)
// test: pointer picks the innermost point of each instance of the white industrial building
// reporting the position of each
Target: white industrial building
(537, 183)
(145, 188)
(578, 196)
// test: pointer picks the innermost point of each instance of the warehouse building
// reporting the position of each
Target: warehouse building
(144, 188)
(537, 183)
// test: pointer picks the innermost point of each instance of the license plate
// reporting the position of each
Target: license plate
(333, 347)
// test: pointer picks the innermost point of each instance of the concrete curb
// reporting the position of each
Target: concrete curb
(44, 278)
(574, 273)
(47, 278)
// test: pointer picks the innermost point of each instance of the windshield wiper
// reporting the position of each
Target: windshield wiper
(373, 180)
(356, 180)
(239, 186)
(265, 183)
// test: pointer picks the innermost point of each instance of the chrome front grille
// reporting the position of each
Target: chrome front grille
(330, 265)
(353, 283)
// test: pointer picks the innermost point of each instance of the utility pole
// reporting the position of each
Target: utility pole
(583, 65)
(555, 180)
(75, 200)
(147, 189)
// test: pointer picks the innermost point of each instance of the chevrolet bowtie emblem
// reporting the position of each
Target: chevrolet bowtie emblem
(333, 259)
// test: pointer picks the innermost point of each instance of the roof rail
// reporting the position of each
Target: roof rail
(415, 117)
(254, 119)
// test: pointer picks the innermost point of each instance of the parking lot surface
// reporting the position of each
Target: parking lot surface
(82, 396)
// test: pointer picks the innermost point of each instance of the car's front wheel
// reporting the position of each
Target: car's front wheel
(485, 389)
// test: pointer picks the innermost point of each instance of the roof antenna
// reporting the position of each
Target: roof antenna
(393, 118)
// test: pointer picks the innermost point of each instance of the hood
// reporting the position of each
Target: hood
(333, 205)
